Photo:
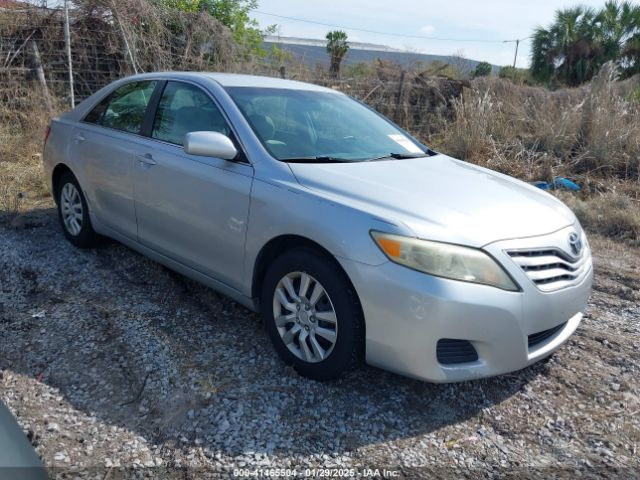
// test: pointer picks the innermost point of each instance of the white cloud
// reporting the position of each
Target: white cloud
(428, 29)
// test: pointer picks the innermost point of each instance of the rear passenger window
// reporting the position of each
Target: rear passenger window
(95, 115)
(125, 108)
(185, 108)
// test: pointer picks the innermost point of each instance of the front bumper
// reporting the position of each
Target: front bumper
(408, 312)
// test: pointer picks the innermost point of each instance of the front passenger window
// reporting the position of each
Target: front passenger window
(185, 108)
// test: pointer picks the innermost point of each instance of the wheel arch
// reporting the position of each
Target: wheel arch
(280, 244)
(57, 172)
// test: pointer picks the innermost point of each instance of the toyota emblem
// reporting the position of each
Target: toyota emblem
(575, 243)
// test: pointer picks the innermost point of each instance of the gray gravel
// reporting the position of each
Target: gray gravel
(110, 360)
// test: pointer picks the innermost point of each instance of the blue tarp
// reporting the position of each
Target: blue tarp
(558, 183)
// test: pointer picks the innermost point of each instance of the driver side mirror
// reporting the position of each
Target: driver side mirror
(210, 144)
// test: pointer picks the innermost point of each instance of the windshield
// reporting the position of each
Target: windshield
(306, 125)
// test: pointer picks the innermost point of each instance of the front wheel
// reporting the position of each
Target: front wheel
(312, 314)
(74, 212)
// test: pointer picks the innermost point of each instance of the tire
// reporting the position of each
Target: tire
(71, 200)
(341, 340)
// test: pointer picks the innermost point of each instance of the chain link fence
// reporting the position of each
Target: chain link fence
(109, 39)
(105, 41)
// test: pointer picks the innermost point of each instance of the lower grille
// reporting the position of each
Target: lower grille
(538, 338)
(455, 351)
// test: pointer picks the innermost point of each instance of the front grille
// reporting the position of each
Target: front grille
(538, 338)
(551, 269)
(455, 351)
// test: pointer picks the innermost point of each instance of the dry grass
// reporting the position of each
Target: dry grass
(614, 215)
(20, 185)
(533, 133)
(21, 135)
(590, 134)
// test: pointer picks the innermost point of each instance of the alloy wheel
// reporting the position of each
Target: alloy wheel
(305, 317)
(71, 208)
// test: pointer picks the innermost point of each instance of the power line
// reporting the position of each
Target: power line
(403, 35)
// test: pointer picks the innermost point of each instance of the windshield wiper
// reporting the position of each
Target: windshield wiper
(397, 156)
(316, 159)
(329, 159)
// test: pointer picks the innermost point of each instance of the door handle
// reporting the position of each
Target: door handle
(79, 138)
(146, 159)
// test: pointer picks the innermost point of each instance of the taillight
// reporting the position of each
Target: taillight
(46, 134)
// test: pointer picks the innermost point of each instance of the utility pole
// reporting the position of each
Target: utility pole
(67, 41)
(515, 58)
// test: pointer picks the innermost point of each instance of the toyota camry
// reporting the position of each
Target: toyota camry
(353, 239)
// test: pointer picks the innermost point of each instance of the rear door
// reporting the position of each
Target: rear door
(105, 145)
(191, 208)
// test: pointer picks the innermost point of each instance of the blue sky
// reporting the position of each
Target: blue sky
(486, 22)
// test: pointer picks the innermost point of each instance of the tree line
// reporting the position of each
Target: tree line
(572, 49)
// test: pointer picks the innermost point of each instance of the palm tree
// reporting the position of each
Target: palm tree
(618, 25)
(631, 56)
(542, 55)
(568, 50)
(581, 40)
(337, 47)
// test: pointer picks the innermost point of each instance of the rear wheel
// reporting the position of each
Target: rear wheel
(312, 315)
(74, 213)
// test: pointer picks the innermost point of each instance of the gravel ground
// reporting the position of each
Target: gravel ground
(109, 360)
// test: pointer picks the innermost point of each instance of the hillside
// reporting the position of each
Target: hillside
(312, 52)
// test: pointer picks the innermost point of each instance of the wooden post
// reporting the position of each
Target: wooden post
(396, 116)
(124, 39)
(67, 41)
(39, 72)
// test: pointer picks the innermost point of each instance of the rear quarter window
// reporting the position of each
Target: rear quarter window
(125, 108)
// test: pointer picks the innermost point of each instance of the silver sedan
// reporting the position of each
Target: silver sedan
(354, 240)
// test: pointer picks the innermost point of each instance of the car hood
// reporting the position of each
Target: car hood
(439, 198)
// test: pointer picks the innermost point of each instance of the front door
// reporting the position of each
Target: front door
(190, 208)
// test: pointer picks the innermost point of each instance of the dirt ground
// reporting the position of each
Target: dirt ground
(115, 365)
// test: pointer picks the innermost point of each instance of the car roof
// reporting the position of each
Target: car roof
(237, 80)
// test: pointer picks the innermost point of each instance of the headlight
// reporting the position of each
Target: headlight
(444, 260)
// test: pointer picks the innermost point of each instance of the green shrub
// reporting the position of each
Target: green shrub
(483, 69)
